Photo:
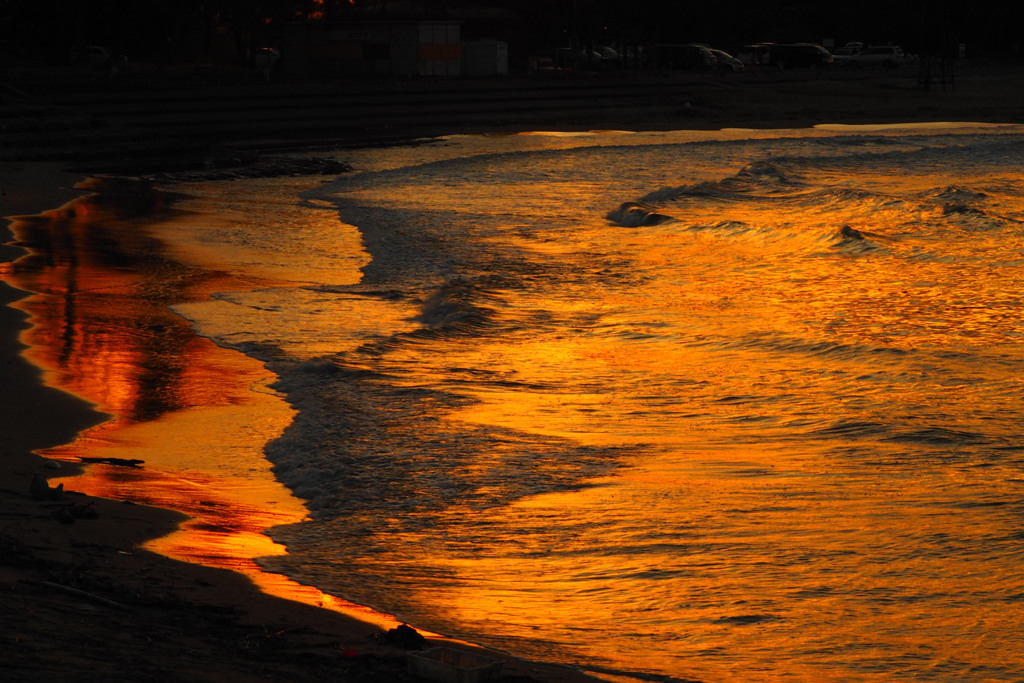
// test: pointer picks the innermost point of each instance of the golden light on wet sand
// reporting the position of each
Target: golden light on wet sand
(187, 419)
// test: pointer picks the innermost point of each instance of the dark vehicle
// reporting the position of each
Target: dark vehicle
(842, 55)
(92, 55)
(878, 55)
(609, 56)
(788, 55)
(753, 55)
(582, 59)
(673, 57)
(725, 61)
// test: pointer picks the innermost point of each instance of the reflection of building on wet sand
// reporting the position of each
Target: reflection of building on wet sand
(196, 414)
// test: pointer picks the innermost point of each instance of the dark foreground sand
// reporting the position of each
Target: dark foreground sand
(81, 602)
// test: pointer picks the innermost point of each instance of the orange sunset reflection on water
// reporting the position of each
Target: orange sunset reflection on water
(741, 370)
(737, 445)
(195, 414)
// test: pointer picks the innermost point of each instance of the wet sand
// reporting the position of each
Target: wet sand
(84, 601)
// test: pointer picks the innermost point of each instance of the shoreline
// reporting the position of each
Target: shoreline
(85, 601)
(155, 618)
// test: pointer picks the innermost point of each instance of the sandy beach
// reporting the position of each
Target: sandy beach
(82, 600)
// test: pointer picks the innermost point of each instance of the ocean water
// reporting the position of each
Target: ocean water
(734, 406)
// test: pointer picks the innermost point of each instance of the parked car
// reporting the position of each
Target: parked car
(610, 57)
(753, 55)
(785, 55)
(878, 55)
(841, 55)
(582, 59)
(92, 55)
(725, 61)
(600, 58)
(798, 56)
(689, 56)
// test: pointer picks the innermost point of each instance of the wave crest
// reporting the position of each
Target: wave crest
(633, 215)
(453, 309)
